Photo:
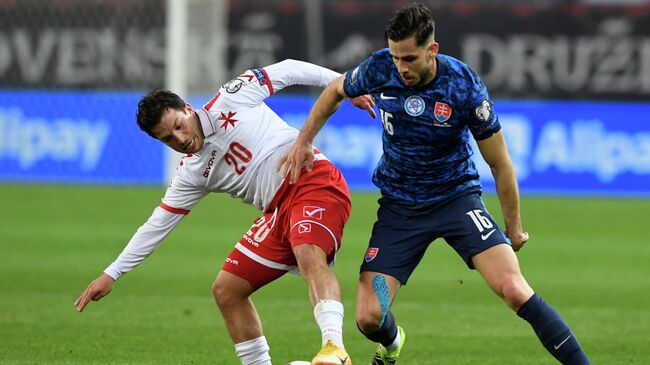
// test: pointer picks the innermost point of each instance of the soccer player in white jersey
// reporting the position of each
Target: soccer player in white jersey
(233, 145)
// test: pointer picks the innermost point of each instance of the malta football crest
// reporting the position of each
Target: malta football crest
(414, 105)
(441, 111)
(228, 120)
(371, 253)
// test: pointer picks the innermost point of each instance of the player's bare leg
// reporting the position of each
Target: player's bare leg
(375, 295)
(325, 296)
(500, 268)
(320, 279)
(232, 295)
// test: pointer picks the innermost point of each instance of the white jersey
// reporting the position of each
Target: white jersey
(244, 140)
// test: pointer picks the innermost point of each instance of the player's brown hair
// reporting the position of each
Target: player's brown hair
(414, 19)
(152, 106)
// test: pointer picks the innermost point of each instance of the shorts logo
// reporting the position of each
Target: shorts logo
(414, 105)
(371, 253)
(231, 261)
(441, 111)
(304, 227)
(314, 212)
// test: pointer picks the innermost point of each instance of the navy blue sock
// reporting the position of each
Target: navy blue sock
(386, 334)
(552, 331)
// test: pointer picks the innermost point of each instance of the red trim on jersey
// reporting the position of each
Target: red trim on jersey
(268, 84)
(174, 210)
(211, 102)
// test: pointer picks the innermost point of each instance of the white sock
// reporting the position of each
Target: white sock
(329, 316)
(255, 351)
(393, 346)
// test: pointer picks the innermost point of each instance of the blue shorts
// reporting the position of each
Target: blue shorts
(402, 233)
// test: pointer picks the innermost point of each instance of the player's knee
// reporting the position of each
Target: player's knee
(310, 258)
(515, 291)
(368, 320)
(218, 290)
(223, 295)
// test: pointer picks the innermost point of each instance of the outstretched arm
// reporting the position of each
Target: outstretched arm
(144, 242)
(302, 150)
(494, 151)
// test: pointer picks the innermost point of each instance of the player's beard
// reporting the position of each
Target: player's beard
(426, 74)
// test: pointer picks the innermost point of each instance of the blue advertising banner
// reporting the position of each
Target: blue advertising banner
(557, 147)
(76, 137)
(572, 148)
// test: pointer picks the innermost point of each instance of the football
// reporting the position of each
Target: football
(299, 363)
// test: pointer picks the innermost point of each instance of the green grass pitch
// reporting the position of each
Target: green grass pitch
(589, 257)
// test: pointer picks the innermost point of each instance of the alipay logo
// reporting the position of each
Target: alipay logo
(29, 141)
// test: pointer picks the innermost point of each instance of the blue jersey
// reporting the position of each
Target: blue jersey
(426, 155)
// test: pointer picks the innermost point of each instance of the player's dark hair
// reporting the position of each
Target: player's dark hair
(152, 106)
(414, 19)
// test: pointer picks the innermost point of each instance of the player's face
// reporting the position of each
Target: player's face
(416, 64)
(180, 130)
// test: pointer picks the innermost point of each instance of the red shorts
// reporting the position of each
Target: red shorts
(312, 211)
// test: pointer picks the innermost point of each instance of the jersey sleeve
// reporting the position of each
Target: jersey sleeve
(253, 86)
(356, 80)
(180, 198)
(372, 74)
(145, 240)
(479, 113)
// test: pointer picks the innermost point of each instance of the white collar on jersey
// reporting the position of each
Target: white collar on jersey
(207, 124)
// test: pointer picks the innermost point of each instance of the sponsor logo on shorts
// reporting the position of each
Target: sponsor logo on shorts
(371, 253)
(314, 212)
(487, 235)
(304, 227)
(231, 261)
(251, 241)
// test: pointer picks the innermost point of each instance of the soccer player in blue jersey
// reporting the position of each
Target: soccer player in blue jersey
(429, 103)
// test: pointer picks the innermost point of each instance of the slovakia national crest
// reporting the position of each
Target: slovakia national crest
(371, 253)
(414, 105)
(442, 112)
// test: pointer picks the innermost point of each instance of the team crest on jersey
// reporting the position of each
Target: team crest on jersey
(371, 253)
(441, 111)
(228, 120)
(414, 105)
(233, 85)
(314, 212)
(483, 111)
